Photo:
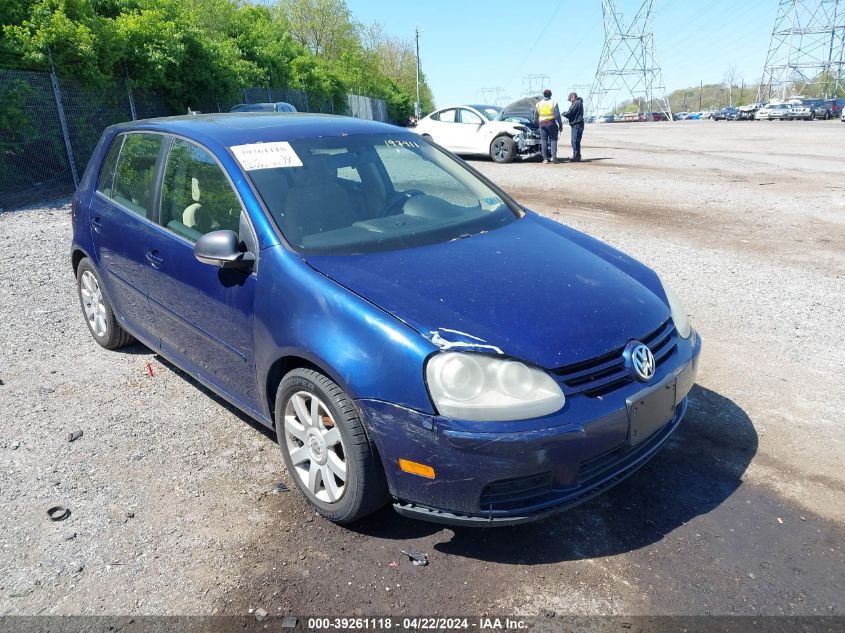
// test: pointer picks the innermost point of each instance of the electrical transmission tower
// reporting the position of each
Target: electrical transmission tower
(806, 51)
(628, 67)
(534, 84)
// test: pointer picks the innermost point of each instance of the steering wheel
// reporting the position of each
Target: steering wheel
(398, 200)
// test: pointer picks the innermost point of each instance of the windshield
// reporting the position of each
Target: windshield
(357, 194)
(491, 112)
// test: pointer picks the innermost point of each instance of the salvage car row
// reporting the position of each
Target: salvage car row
(792, 110)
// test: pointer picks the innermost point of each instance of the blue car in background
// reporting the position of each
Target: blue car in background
(408, 329)
(278, 106)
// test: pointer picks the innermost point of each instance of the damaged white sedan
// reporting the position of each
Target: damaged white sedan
(475, 130)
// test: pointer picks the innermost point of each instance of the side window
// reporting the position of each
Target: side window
(196, 197)
(447, 116)
(106, 183)
(468, 116)
(133, 177)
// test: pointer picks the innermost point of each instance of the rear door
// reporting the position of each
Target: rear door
(204, 314)
(120, 215)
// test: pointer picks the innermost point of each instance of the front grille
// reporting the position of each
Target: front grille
(603, 374)
(508, 494)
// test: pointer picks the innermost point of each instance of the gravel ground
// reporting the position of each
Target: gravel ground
(171, 491)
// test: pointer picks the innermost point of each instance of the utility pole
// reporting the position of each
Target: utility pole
(807, 51)
(628, 62)
(418, 104)
(700, 91)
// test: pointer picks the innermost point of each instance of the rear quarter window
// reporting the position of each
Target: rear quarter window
(106, 182)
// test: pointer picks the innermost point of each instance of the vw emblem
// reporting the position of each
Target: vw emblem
(641, 361)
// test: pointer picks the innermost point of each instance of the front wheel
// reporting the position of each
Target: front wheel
(502, 149)
(326, 449)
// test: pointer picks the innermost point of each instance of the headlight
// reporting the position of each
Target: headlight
(487, 389)
(679, 315)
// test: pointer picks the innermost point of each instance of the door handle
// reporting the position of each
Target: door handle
(97, 224)
(154, 258)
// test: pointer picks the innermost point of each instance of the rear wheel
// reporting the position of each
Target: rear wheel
(326, 449)
(97, 310)
(502, 149)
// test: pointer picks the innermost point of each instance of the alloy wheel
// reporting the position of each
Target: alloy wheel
(93, 303)
(315, 446)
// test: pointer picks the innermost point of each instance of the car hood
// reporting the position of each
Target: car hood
(533, 290)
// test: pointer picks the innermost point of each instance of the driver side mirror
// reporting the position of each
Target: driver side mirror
(220, 248)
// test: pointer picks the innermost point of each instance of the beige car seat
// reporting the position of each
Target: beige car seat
(191, 214)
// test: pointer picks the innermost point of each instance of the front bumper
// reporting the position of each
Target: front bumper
(516, 472)
(527, 145)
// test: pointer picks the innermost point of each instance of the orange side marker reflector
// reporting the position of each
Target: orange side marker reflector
(416, 469)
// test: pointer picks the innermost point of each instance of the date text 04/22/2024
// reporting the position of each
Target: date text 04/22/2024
(416, 624)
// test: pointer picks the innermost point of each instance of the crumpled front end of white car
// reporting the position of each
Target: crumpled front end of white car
(527, 142)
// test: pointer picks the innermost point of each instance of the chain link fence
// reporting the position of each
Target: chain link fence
(50, 126)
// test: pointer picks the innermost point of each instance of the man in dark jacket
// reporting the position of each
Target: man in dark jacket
(575, 116)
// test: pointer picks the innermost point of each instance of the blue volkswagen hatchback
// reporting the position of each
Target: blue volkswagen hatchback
(409, 331)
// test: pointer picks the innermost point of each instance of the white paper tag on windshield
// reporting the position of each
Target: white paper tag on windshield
(266, 155)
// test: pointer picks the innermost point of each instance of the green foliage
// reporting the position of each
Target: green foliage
(13, 116)
(202, 53)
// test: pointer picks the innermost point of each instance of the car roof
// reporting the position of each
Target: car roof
(241, 128)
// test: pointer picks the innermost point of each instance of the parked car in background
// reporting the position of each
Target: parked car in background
(607, 118)
(820, 107)
(410, 333)
(279, 106)
(694, 116)
(774, 111)
(800, 112)
(726, 114)
(837, 107)
(748, 112)
(478, 130)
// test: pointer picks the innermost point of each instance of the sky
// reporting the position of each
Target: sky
(469, 48)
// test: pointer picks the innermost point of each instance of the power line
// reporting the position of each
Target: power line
(538, 38)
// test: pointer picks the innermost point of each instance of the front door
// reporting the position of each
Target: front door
(468, 132)
(203, 313)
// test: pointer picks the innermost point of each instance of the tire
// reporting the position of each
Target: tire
(97, 310)
(330, 459)
(502, 149)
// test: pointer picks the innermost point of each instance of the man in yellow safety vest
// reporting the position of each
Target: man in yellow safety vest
(548, 115)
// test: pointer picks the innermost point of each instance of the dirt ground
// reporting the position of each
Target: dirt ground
(171, 491)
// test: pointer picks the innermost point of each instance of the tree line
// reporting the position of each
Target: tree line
(186, 50)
